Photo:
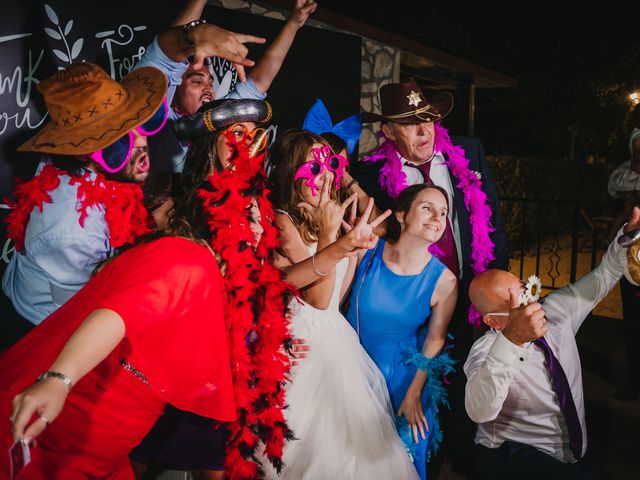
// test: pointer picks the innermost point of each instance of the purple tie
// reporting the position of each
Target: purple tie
(445, 248)
(563, 391)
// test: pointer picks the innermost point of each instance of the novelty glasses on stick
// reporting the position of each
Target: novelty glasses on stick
(114, 157)
(322, 158)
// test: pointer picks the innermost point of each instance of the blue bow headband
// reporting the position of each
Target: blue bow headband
(318, 121)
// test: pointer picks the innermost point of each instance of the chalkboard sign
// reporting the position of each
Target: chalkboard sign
(39, 37)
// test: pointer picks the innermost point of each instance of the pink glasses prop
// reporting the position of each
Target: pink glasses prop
(114, 157)
(322, 158)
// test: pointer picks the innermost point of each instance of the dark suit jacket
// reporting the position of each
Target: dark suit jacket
(367, 175)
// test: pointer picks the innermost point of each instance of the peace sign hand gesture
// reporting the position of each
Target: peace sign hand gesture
(328, 214)
(360, 235)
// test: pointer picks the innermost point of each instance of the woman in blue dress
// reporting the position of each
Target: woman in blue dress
(401, 302)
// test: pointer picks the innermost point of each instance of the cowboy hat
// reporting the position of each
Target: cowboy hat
(405, 103)
(89, 110)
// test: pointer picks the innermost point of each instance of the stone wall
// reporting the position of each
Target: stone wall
(380, 64)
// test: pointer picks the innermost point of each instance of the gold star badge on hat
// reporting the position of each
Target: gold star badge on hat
(414, 98)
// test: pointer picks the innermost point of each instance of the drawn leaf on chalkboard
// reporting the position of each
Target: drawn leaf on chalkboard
(61, 55)
(68, 27)
(51, 14)
(53, 34)
(77, 46)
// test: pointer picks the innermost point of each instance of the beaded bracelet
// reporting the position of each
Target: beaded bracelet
(60, 376)
(186, 29)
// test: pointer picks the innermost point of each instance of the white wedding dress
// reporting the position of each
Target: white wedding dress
(338, 404)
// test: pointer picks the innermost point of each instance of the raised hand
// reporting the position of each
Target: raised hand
(361, 236)
(526, 323)
(328, 214)
(301, 11)
(634, 221)
(210, 41)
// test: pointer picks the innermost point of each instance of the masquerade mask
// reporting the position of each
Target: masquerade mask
(322, 158)
(114, 157)
(239, 133)
(318, 121)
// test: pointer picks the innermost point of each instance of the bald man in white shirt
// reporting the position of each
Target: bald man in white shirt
(523, 431)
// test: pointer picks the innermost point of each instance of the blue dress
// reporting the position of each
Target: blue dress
(390, 314)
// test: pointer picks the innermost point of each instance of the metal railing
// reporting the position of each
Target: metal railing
(539, 228)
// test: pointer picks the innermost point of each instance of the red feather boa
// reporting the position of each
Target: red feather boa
(125, 213)
(257, 323)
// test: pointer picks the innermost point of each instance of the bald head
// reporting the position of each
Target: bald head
(489, 290)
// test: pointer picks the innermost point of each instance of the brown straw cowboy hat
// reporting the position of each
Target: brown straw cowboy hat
(89, 110)
(405, 103)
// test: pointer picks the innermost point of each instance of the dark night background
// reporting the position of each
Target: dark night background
(575, 63)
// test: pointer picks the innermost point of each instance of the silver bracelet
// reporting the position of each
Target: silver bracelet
(315, 269)
(60, 376)
(186, 29)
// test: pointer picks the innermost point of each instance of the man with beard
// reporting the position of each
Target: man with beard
(86, 197)
(191, 83)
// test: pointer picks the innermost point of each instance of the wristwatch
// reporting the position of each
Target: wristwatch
(186, 29)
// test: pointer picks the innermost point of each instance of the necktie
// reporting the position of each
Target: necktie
(563, 391)
(445, 248)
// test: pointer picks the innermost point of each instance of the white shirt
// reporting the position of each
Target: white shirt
(439, 174)
(59, 254)
(509, 391)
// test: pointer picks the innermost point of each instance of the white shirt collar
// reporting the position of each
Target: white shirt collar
(437, 159)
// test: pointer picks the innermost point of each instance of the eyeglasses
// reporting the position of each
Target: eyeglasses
(322, 158)
(114, 157)
(239, 134)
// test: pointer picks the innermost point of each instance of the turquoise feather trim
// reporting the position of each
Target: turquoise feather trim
(434, 396)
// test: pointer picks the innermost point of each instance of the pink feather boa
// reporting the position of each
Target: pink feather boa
(393, 180)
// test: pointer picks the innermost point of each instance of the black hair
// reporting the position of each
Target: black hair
(72, 165)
